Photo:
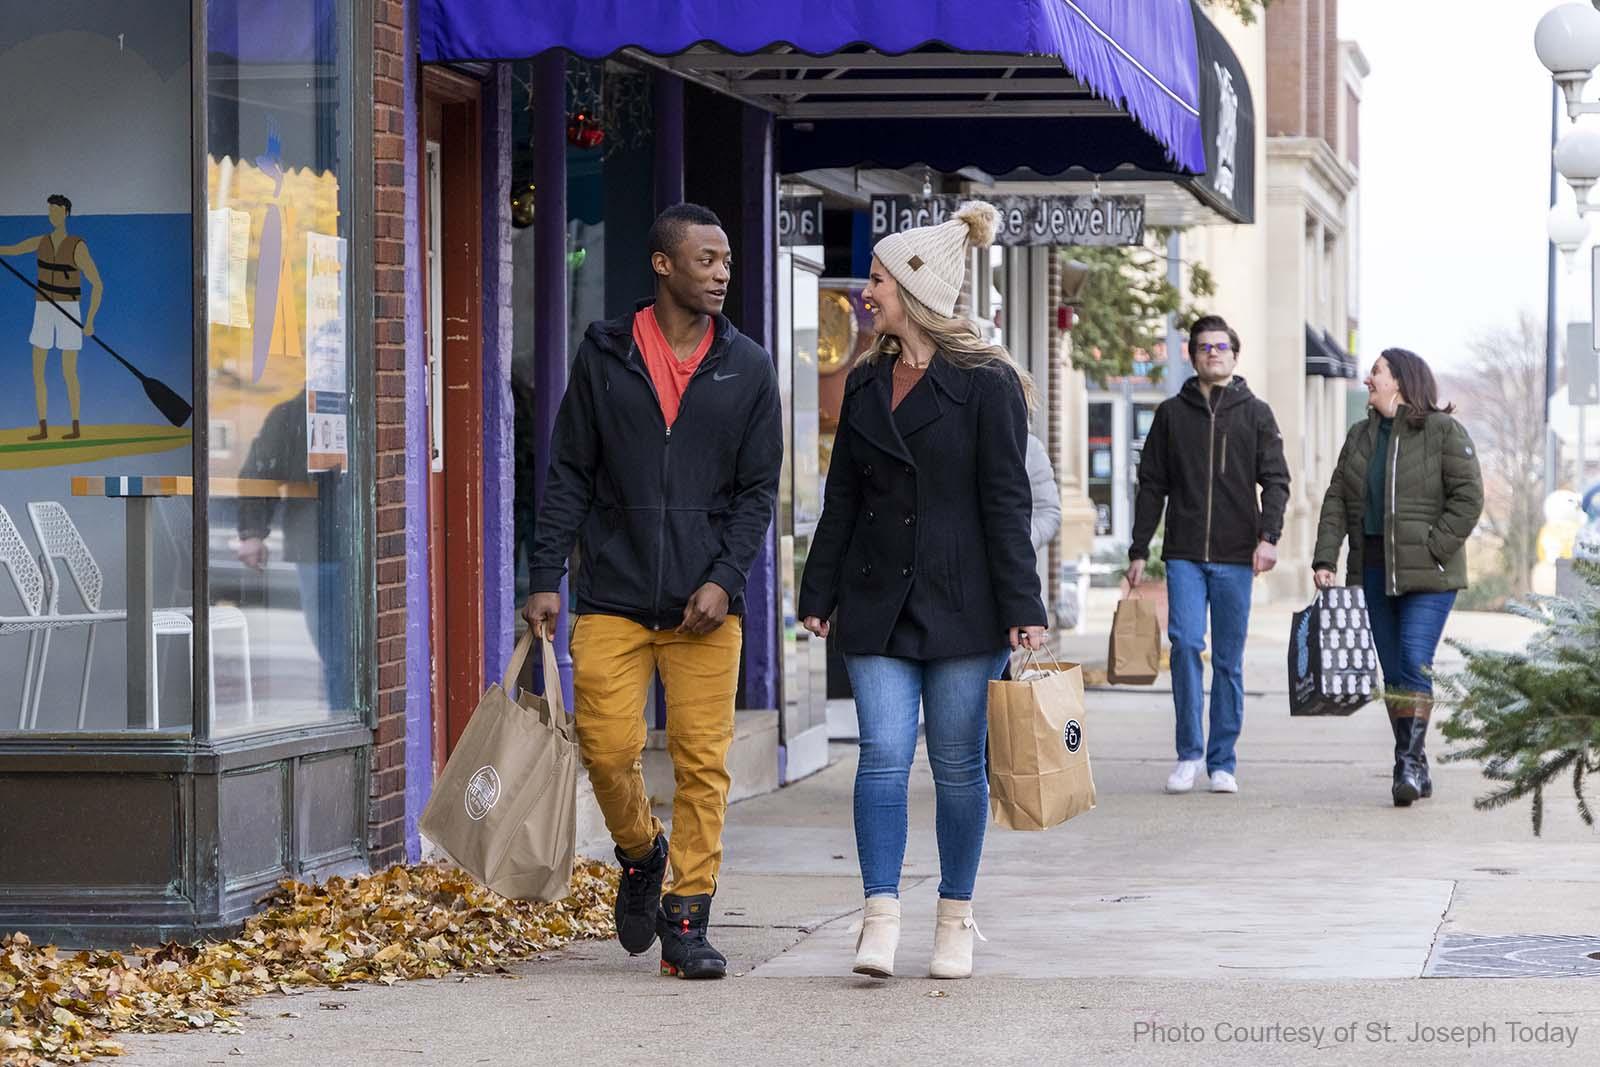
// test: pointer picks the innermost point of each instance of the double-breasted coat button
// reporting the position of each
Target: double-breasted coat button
(905, 572)
(909, 469)
(910, 520)
(866, 571)
(866, 472)
(871, 515)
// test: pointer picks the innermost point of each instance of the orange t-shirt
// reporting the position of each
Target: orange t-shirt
(670, 374)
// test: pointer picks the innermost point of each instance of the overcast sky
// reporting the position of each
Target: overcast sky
(1455, 150)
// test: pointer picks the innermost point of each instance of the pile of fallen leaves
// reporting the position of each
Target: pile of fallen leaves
(421, 921)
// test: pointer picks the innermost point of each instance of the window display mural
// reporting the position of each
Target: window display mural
(96, 353)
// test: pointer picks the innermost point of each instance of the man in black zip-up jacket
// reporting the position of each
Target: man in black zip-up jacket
(1208, 450)
(664, 468)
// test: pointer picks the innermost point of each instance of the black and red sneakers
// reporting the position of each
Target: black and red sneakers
(639, 897)
(685, 952)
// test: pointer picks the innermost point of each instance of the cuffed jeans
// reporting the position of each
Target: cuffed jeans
(1406, 631)
(1221, 590)
(954, 696)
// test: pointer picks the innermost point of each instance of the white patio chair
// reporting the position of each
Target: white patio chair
(60, 537)
(32, 589)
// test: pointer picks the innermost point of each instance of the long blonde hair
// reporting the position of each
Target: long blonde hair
(956, 339)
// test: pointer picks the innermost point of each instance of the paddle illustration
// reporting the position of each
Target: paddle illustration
(173, 407)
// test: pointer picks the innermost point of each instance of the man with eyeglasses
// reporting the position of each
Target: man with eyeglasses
(1209, 450)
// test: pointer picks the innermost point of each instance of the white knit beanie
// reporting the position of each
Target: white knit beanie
(930, 262)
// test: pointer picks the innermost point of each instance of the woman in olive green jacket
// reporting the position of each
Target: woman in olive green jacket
(1407, 493)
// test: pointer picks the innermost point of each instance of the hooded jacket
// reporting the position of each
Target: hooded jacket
(656, 512)
(1203, 461)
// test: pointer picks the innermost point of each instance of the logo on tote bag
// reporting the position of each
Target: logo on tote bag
(483, 790)
(1072, 735)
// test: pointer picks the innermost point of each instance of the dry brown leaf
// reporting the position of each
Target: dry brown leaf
(424, 921)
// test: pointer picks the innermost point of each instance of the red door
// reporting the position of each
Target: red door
(452, 244)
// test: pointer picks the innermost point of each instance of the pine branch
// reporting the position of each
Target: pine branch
(1577, 790)
(1530, 716)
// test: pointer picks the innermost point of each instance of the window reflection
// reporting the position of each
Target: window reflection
(282, 505)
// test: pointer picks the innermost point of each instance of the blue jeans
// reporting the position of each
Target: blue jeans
(1406, 631)
(1224, 589)
(954, 695)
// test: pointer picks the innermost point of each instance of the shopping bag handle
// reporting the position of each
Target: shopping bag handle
(553, 694)
(1030, 660)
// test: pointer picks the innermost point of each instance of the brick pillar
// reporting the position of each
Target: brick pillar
(386, 829)
(1056, 381)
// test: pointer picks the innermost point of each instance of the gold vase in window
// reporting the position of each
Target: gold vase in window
(836, 330)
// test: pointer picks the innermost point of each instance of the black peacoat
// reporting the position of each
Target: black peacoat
(924, 544)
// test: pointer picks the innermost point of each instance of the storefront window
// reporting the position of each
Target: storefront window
(1102, 474)
(96, 431)
(610, 192)
(285, 557)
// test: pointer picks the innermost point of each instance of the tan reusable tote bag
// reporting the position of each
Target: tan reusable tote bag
(1039, 772)
(505, 806)
(1134, 657)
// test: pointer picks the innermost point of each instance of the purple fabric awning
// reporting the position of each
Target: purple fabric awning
(1138, 54)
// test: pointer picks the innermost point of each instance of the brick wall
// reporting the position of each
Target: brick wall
(1304, 76)
(386, 831)
(1311, 69)
(1332, 72)
(1286, 72)
(1055, 383)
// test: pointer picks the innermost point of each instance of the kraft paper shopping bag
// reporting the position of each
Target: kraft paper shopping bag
(1039, 774)
(1134, 656)
(505, 805)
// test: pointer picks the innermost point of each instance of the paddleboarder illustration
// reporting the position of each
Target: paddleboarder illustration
(64, 263)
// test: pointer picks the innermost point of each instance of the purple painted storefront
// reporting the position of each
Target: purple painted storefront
(550, 341)
(714, 145)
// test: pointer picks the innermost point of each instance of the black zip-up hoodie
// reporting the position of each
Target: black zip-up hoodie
(1203, 461)
(657, 513)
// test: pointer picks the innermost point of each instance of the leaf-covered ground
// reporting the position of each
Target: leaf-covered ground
(422, 921)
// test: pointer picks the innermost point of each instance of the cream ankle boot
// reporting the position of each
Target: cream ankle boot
(952, 940)
(880, 935)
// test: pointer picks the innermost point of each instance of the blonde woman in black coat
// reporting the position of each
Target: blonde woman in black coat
(923, 553)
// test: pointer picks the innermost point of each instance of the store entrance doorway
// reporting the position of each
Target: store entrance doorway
(452, 154)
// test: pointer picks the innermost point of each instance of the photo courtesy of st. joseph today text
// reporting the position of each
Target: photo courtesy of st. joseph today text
(1395, 1033)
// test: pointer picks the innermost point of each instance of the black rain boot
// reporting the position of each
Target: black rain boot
(639, 897)
(685, 952)
(1418, 753)
(1406, 787)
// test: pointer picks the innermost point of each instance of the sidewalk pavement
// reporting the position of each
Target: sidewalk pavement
(1199, 929)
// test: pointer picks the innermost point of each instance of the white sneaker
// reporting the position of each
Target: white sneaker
(1181, 780)
(1223, 782)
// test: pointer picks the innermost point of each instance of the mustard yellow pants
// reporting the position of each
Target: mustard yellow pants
(613, 660)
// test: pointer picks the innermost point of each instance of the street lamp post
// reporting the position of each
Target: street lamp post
(1567, 41)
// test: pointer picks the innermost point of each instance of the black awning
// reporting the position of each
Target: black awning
(1322, 356)
(1351, 368)
(1228, 123)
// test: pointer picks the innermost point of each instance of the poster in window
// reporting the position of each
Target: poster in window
(327, 392)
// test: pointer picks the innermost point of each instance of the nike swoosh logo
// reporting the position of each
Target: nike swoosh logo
(723, 377)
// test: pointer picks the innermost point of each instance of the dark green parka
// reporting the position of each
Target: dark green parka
(1433, 495)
